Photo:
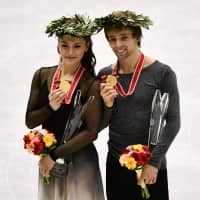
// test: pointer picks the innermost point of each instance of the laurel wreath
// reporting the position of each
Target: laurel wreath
(77, 25)
(117, 20)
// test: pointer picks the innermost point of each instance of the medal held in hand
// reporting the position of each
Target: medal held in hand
(65, 85)
(112, 80)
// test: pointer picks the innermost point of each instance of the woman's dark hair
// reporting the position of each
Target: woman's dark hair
(89, 60)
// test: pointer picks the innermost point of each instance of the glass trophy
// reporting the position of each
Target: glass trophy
(72, 126)
(75, 118)
(157, 121)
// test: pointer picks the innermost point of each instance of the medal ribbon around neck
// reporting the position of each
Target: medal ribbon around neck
(74, 83)
(134, 79)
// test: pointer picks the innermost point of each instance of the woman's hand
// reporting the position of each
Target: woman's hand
(108, 93)
(56, 98)
(45, 165)
(149, 175)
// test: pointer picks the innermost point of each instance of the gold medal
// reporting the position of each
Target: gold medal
(112, 80)
(65, 85)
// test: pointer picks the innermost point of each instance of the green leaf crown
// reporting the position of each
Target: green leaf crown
(76, 25)
(123, 18)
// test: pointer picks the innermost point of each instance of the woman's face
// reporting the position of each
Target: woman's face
(72, 49)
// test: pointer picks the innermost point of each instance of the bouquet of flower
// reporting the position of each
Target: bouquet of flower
(40, 142)
(134, 157)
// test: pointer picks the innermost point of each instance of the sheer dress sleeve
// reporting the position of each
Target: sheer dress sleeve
(37, 112)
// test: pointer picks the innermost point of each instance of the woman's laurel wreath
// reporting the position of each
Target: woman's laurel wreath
(77, 26)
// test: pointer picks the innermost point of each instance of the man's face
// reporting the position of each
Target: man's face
(122, 42)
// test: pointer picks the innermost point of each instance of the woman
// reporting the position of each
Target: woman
(51, 99)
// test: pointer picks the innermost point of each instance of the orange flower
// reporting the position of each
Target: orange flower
(30, 147)
(123, 158)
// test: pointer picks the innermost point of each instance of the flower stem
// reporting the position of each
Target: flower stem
(47, 179)
(144, 189)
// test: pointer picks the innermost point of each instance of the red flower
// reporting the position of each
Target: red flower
(145, 148)
(125, 151)
(26, 139)
(140, 163)
(39, 146)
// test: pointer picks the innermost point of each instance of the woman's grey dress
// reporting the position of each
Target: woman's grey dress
(83, 180)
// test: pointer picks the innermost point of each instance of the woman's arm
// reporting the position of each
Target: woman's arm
(36, 114)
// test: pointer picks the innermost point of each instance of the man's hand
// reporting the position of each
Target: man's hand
(108, 93)
(148, 175)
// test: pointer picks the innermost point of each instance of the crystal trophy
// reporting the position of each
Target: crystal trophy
(72, 126)
(157, 121)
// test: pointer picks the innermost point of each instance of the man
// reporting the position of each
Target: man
(127, 89)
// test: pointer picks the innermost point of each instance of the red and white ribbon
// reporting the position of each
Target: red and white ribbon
(74, 82)
(134, 79)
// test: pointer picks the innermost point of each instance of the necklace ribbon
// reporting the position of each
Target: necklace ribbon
(74, 82)
(134, 79)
